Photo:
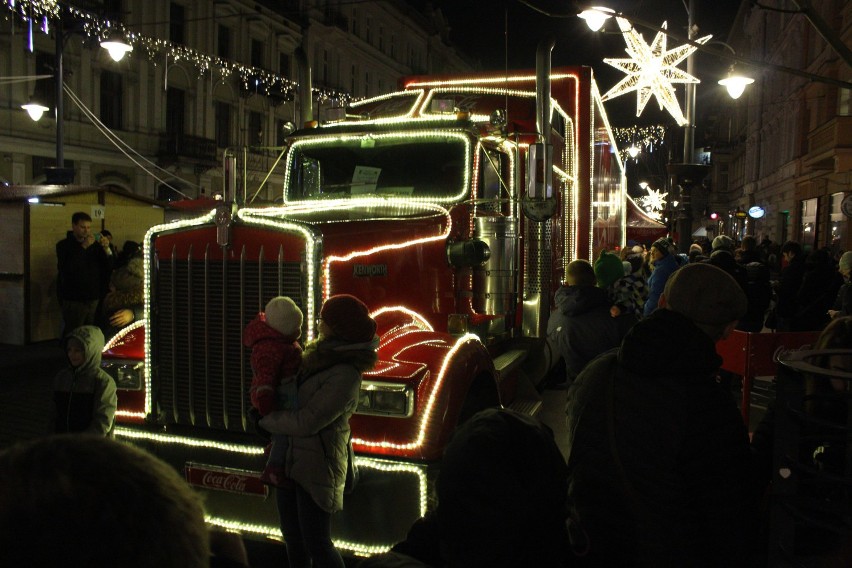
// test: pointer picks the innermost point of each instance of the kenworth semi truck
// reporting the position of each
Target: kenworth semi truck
(451, 208)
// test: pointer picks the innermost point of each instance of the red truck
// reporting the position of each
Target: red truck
(451, 208)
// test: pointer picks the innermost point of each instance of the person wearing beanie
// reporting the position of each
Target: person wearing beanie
(581, 327)
(723, 242)
(652, 413)
(276, 356)
(608, 269)
(319, 432)
(124, 303)
(629, 293)
(663, 264)
(477, 521)
(843, 302)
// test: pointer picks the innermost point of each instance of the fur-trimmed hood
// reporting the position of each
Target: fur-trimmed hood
(322, 354)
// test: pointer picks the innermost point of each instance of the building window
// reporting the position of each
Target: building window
(837, 224)
(111, 9)
(392, 45)
(223, 124)
(223, 43)
(366, 83)
(255, 129)
(175, 111)
(808, 217)
(324, 67)
(356, 29)
(354, 80)
(381, 38)
(284, 64)
(177, 22)
(844, 102)
(44, 89)
(257, 49)
(111, 98)
(368, 32)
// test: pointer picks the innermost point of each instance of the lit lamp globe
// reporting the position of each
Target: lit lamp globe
(35, 110)
(117, 48)
(633, 151)
(596, 17)
(736, 84)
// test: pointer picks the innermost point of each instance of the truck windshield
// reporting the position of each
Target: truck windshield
(431, 167)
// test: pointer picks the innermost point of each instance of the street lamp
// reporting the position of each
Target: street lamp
(735, 83)
(59, 174)
(35, 110)
(596, 17)
(117, 46)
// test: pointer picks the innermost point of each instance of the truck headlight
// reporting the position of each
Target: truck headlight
(385, 399)
(126, 374)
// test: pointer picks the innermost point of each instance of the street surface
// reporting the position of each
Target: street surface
(25, 398)
(26, 374)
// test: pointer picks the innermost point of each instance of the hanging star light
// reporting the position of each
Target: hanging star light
(655, 199)
(652, 70)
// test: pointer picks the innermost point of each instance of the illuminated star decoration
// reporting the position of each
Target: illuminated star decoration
(651, 70)
(654, 202)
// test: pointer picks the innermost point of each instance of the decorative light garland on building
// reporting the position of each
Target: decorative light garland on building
(252, 78)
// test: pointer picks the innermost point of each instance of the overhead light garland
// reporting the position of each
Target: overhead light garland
(253, 79)
(652, 70)
(646, 138)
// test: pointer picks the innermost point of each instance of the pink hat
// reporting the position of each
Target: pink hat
(348, 318)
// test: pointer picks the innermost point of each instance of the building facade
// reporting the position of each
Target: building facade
(203, 77)
(786, 145)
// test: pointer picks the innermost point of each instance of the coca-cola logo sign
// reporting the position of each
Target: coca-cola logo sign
(221, 479)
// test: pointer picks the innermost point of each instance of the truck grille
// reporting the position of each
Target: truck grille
(201, 371)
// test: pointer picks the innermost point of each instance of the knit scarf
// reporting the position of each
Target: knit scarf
(322, 354)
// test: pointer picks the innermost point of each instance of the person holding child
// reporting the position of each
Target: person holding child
(84, 394)
(276, 356)
(318, 429)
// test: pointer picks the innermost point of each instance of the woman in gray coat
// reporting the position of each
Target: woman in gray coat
(315, 465)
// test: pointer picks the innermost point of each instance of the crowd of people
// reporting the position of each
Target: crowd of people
(660, 469)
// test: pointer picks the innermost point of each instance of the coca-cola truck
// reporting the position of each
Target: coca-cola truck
(451, 208)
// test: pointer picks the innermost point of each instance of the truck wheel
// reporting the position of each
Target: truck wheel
(481, 395)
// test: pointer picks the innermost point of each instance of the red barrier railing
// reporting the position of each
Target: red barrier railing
(753, 355)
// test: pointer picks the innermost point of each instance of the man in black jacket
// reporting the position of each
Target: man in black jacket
(659, 462)
(83, 274)
(581, 327)
(758, 286)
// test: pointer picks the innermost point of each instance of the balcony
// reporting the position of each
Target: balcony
(197, 151)
(830, 146)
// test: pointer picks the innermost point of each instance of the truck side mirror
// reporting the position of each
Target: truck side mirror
(538, 202)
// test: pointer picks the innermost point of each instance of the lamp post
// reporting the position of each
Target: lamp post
(117, 48)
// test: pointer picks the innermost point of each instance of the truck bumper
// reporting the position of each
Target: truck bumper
(389, 496)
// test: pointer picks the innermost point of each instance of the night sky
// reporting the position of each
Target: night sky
(484, 30)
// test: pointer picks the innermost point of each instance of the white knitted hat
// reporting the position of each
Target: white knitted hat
(284, 316)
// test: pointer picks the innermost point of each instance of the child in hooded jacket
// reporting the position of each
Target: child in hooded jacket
(276, 356)
(84, 394)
